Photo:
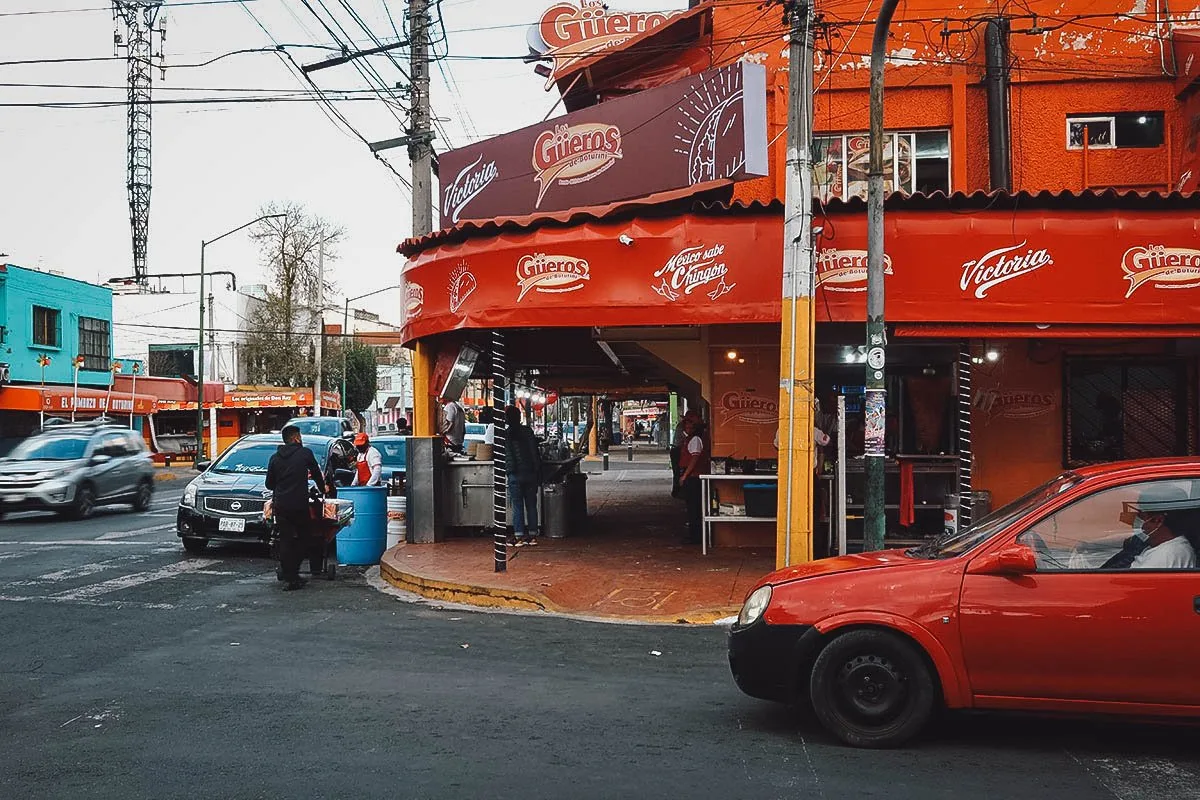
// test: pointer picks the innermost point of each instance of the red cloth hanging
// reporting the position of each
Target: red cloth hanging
(908, 513)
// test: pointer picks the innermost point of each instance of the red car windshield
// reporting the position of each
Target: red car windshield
(974, 535)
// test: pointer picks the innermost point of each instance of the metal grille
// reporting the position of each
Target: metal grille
(1126, 409)
(240, 506)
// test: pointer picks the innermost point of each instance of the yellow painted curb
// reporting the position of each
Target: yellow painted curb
(517, 600)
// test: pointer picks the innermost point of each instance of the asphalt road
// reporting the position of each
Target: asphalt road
(129, 670)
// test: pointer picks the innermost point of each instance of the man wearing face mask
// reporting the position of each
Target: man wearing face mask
(1160, 534)
(368, 468)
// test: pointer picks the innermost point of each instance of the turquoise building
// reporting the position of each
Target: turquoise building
(42, 314)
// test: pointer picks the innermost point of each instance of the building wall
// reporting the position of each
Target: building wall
(20, 290)
(1115, 58)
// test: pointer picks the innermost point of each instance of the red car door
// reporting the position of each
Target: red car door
(1072, 631)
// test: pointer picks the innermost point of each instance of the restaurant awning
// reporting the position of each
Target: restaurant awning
(65, 399)
(1106, 259)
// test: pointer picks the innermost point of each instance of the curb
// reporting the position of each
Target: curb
(488, 597)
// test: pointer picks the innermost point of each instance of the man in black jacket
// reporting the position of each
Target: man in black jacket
(287, 478)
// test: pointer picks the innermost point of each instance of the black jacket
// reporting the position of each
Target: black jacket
(287, 477)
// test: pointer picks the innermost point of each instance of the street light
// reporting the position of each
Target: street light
(346, 330)
(200, 338)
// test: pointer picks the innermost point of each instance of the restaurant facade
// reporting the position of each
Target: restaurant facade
(1042, 246)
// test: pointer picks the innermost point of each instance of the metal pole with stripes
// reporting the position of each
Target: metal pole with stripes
(499, 472)
(965, 497)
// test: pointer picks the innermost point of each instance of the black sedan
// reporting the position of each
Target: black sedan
(226, 501)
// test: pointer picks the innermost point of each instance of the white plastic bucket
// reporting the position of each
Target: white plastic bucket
(397, 520)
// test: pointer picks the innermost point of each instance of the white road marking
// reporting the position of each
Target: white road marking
(81, 571)
(98, 603)
(1142, 778)
(130, 534)
(136, 579)
(23, 553)
(84, 542)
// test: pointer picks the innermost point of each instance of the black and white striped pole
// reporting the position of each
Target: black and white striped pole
(965, 496)
(499, 472)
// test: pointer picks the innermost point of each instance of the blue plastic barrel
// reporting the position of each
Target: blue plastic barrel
(363, 541)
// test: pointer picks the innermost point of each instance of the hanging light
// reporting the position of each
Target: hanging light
(732, 355)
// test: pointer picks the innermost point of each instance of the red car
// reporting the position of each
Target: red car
(1081, 596)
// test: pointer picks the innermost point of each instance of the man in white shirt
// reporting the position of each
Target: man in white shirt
(1165, 547)
(368, 468)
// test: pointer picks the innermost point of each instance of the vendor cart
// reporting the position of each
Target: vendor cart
(329, 516)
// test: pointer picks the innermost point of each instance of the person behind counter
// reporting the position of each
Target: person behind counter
(454, 424)
(694, 462)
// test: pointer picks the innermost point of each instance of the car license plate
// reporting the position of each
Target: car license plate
(232, 524)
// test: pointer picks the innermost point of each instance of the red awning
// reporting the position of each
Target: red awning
(938, 330)
(65, 399)
(1185, 45)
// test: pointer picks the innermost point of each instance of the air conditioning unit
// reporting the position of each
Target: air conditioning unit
(5, 375)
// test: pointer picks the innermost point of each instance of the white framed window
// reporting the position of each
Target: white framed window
(1124, 129)
(1100, 132)
(913, 162)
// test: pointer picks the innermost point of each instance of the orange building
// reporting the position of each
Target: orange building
(1042, 242)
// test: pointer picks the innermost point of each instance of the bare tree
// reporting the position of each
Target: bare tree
(282, 326)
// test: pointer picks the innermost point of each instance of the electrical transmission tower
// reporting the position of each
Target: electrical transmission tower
(140, 18)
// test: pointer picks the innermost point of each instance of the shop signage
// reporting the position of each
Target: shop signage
(708, 127)
(845, 270)
(749, 407)
(67, 402)
(570, 34)
(466, 186)
(1000, 266)
(414, 299)
(574, 154)
(462, 286)
(551, 274)
(1161, 267)
(696, 267)
(1015, 403)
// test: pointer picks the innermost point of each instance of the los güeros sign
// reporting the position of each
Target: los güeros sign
(711, 126)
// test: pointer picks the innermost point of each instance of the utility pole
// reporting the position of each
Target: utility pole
(320, 321)
(420, 146)
(875, 434)
(140, 18)
(794, 531)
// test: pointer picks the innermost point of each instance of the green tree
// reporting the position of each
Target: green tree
(280, 332)
(362, 380)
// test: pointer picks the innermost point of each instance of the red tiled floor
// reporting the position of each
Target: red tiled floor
(629, 564)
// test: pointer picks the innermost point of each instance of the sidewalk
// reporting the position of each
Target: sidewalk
(630, 565)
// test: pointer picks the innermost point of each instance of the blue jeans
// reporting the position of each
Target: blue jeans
(523, 496)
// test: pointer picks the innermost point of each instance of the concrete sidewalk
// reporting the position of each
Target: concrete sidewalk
(630, 564)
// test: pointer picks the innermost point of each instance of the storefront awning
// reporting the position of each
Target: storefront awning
(935, 330)
(65, 399)
(1127, 260)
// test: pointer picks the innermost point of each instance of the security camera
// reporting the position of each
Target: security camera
(625, 239)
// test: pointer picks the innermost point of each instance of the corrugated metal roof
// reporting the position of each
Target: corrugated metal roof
(715, 198)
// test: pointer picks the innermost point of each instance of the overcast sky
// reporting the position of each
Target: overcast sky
(63, 201)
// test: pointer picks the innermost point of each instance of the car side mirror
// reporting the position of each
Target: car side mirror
(1013, 559)
(101, 458)
(202, 466)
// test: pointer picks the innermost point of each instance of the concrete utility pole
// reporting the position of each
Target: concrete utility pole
(420, 146)
(875, 438)
(320, 322)
(794, 531)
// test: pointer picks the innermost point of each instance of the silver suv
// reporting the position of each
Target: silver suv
(72, 469)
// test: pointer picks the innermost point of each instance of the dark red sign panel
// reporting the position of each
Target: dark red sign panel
(708, 127)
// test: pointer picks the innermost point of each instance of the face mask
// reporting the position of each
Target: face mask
(1138, 524)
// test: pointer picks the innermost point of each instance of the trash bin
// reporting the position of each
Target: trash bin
(363, 541)
(762, 499)
(554, 510)
(981, 504)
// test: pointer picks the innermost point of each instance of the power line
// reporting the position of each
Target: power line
(180, 4)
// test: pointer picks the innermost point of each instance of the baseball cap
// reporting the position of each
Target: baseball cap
(361, 439)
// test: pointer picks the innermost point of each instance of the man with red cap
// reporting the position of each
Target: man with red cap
(368, 468)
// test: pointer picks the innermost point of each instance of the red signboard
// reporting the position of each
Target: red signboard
(571, 34)
(708, 127)
(1032, 267)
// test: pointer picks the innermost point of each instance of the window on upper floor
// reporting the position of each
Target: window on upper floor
(913, 162)
(1109, 131)
(47, 332)
(94, 344)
